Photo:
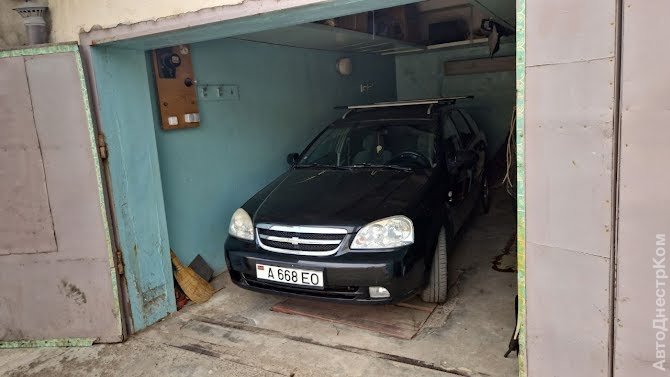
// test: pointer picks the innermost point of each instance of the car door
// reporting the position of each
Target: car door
(456, 177)
(478, 144)
(463, 193)
(465, 138)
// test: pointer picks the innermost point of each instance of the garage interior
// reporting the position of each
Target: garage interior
(265, 93)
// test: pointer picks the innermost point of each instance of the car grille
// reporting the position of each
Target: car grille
(300, 240)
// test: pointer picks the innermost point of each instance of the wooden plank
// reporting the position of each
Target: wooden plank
(468, 67)
(355, 22)
(416, 303)
(397, 321)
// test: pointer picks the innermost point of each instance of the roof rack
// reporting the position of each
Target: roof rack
(429, 101)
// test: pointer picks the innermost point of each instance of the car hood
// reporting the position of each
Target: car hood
(339, 197)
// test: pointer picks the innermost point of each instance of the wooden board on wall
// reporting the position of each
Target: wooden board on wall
(468, 67)
(401, 23)
(356, 22)
(175, 85)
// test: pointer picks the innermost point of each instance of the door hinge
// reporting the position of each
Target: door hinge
(102, 147)
(120, 269)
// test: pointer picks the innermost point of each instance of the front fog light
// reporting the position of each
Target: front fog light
(379, 292)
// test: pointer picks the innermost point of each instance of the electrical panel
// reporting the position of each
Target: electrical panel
(176, 87)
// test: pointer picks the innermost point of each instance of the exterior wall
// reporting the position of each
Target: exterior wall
(287, 96)
(70, 17)
(569, 132)
(422, 76)
(12, 31)
(642, 343)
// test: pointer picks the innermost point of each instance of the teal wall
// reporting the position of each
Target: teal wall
(422, 76)
(287, 96)
(124, 96)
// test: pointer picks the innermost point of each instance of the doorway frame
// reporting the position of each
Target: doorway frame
(521, 180)
(247, 12)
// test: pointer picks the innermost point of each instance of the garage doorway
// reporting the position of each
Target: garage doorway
(285, 89)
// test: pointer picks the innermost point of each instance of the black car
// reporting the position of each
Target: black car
(369, 210)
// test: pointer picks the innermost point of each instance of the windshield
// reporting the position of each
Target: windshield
(391, 144)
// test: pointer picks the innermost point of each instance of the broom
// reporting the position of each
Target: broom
(195, 287)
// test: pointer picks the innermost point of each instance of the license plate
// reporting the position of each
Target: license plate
(290, 275)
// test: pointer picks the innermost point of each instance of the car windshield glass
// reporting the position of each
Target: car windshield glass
(378, 144)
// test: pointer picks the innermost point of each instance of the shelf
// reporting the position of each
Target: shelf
(330, 38)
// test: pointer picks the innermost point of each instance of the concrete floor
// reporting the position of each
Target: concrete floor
(235, 333)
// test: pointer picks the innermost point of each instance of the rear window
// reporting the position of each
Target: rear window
(464, 131)
(450, 136)
(471, 122)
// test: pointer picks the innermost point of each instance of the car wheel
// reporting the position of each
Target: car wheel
(486, 194)
(436, 291)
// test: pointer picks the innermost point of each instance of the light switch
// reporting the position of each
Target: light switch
(173, 120)
(192, 118)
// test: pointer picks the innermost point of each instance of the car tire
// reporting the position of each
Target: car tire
(486, 194)
(436, 291)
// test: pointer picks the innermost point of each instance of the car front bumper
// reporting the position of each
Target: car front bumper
(347, 275)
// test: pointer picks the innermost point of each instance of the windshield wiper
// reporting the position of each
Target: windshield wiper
(378, 166)
(325, 166)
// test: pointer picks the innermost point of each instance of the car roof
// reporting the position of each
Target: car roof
(407, 113)
(418, 112)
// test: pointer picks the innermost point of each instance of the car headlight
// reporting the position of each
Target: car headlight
(390, 232)
(241, 225)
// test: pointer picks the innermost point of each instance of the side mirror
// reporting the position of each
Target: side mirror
(463, 159)
(293, 158)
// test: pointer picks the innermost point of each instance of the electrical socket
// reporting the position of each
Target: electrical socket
(366, 86)
(209, 92)
(228, 92)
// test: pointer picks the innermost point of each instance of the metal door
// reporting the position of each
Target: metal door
(123, 98)
(57, 276)
(641, 339)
